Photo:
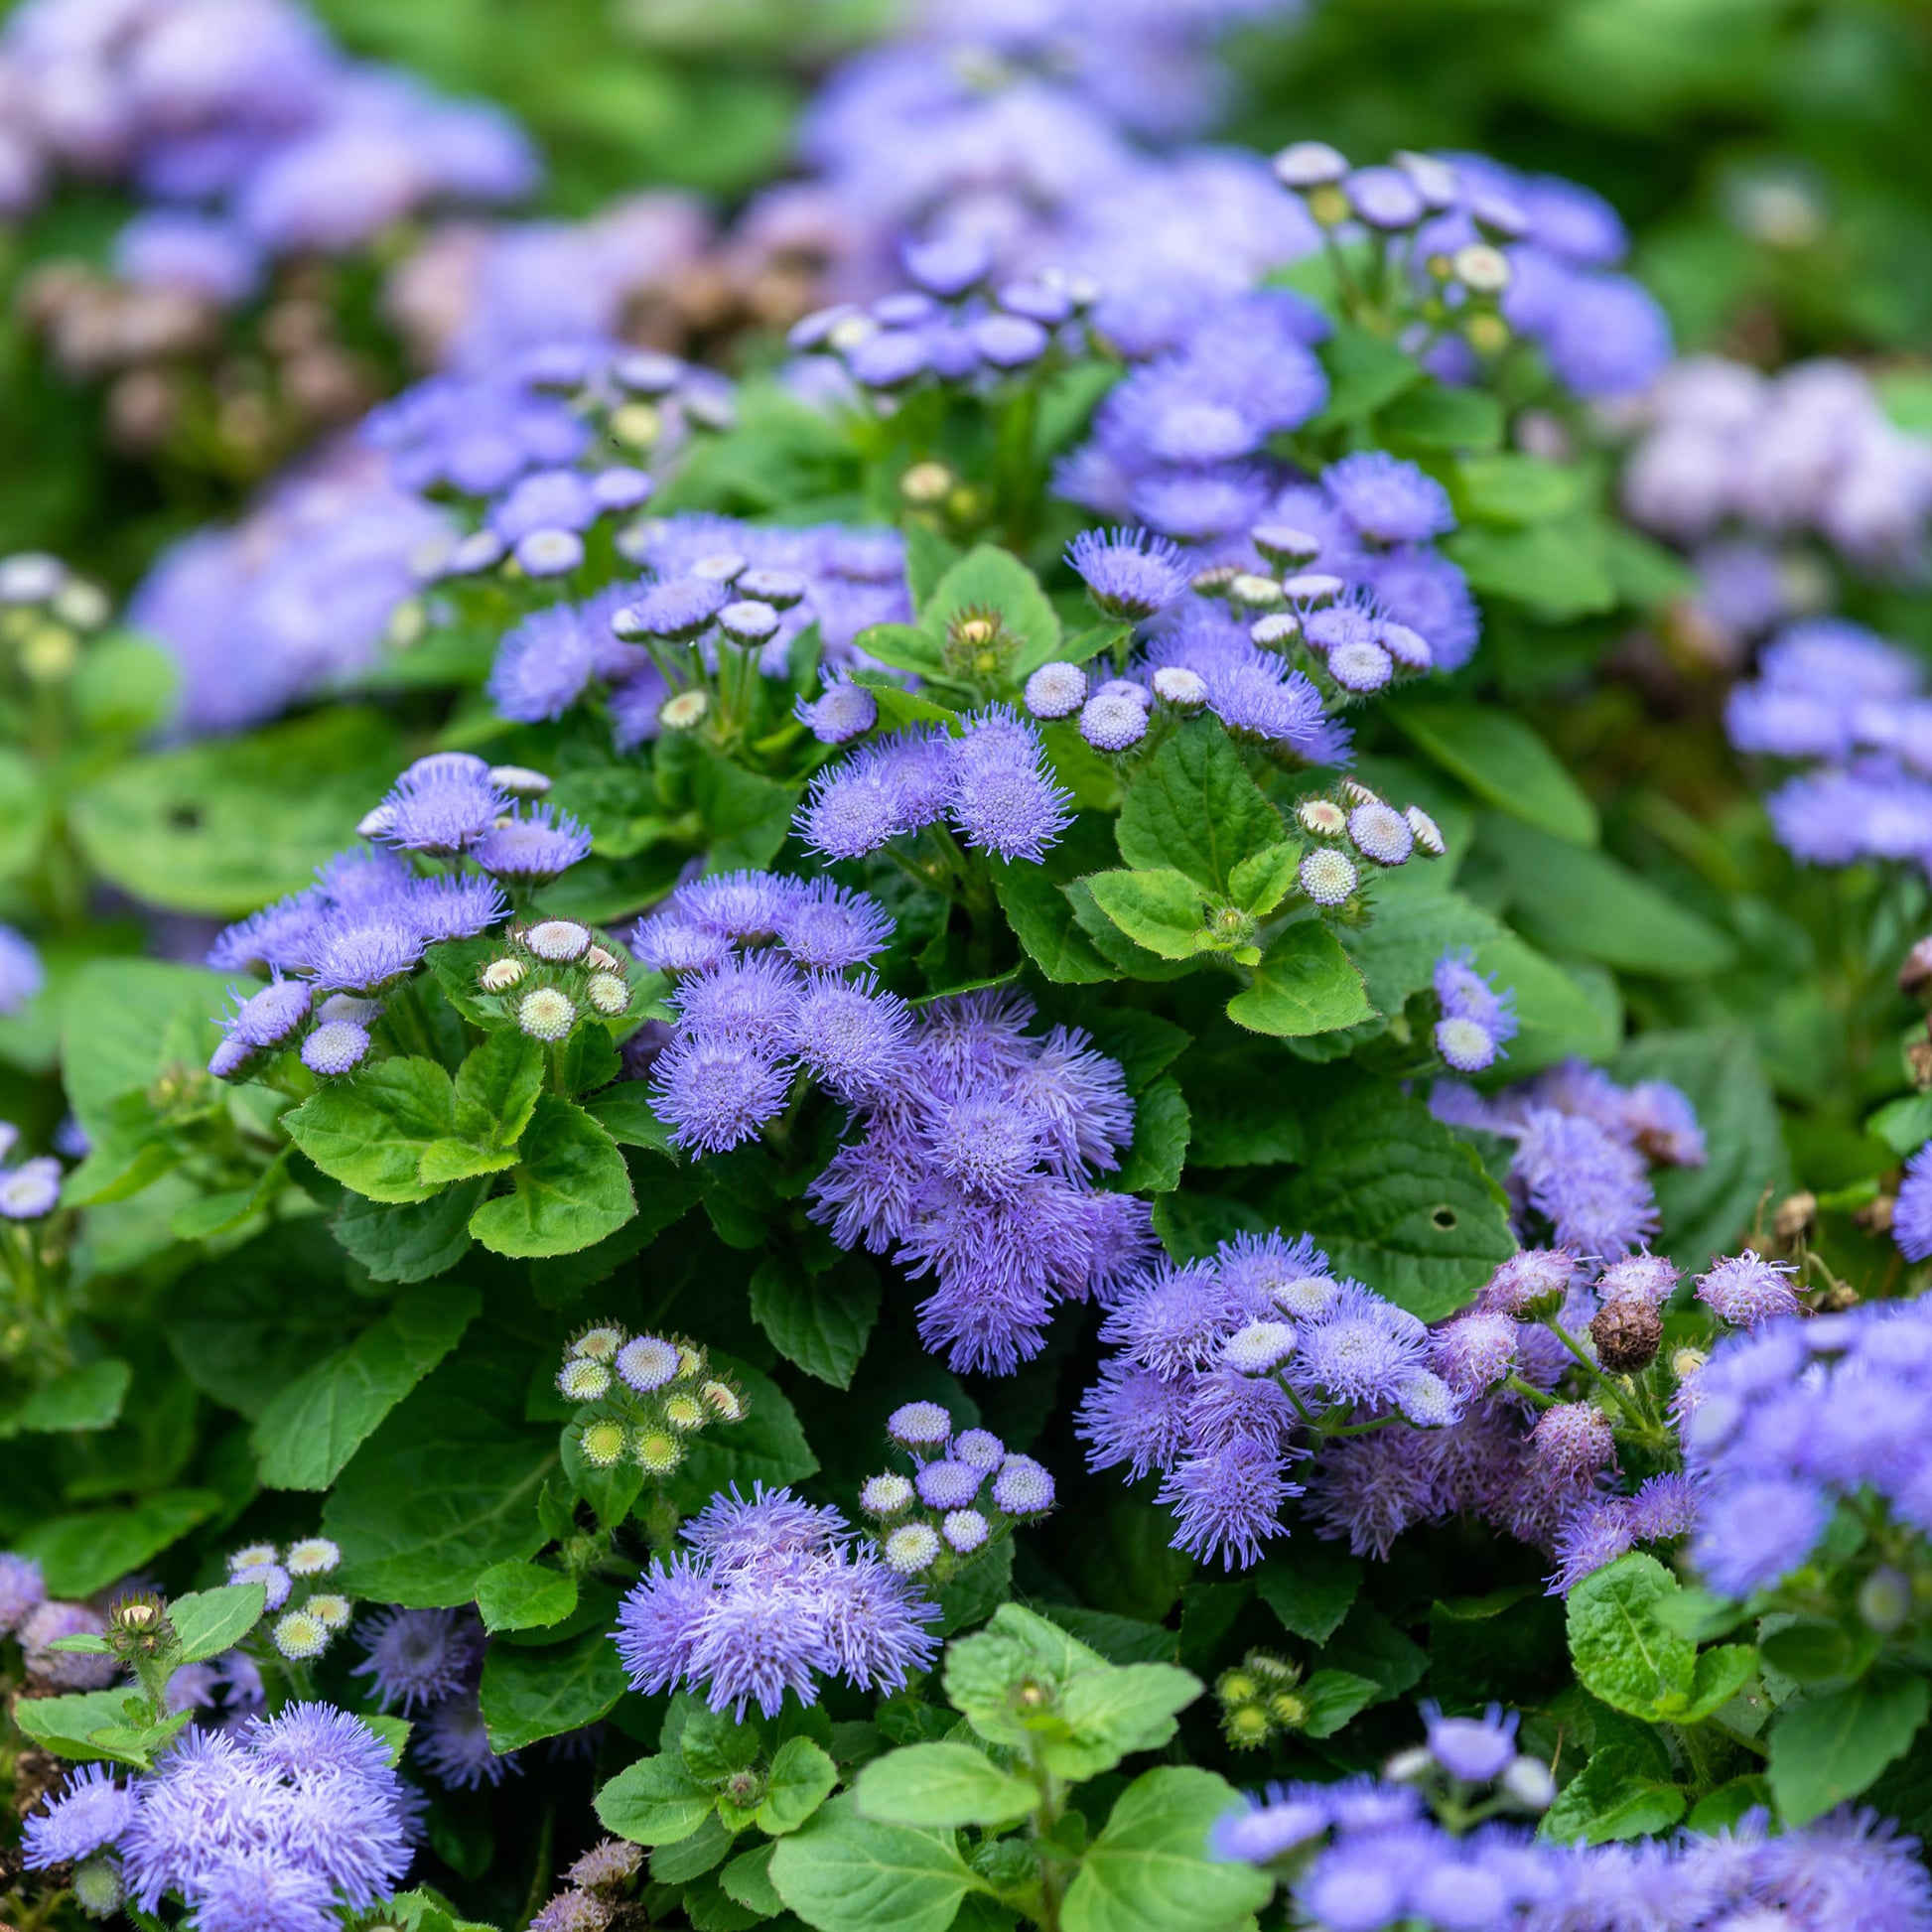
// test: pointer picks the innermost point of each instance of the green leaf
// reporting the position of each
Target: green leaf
(1161, 1127)
(990, 579)
(748, 1878)
(1261, 881)
(1434, 416)
(127, 1021)
(1160, 909)
(1305, 984)
(312, 1426)
(942, 1785)
(1721, 1674)
(394, 1731)
(1035, 900)
(1114, 1709)
(1393, 1199)
(655, 1801)
(1560, 570)
(209, 1621)
(1503, 761)
(802, 1777)
(445, 1487)
(529, 1694)
(1149, 1870)
(1832, 1745)
(1195, 808)
(847, 1873)
(571, 1188)
(904, 647)
(1510, 488)
(1621, 1652)
(1615, 1795)
(496, 1088)
(124, 687)
(371, 1130)
(67, 1726)
(86, 1398)
(1309, 1585)
(410, 1241)
(690, 1858)
(81, 1553)
(1365, 372)
(1412, 928)
(1808, 1650)
(625, 1114)
(1584, 902)
(225, 825)
(1332, 1698)
(899, 707)
(26, 807)
(515, 1596)
(820, 1321)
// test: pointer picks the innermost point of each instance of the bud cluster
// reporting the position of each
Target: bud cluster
(643, 1398)
(310, 1617)
(552, 974)
(1260, 1700)
(1349, 824)
(46, 614)
(966, 1492)
(1337, 634)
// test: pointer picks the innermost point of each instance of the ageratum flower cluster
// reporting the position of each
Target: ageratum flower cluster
(974, 1164)
(427, 1665)
(277, 1827)
(951, 326)
(1739, 467)
(1485, 255)
(720, 599)
(1221, 1364)
(643, 1398)
(762, 993)
(1477, 1019)
(352, 939)
(1582, 1150)
(1851, 707)
(1797, 1421)
(307, 1625)
(990, 782)
(253, 134)
(774, 1595)
(966, 1492)
(1363, 1856)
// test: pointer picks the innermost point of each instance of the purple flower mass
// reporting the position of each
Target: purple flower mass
(774, 1598)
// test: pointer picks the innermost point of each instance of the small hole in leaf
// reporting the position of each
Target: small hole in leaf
(1443, 1218)
(185, 818)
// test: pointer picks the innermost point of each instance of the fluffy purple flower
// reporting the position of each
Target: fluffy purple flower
(543, 666)
(840, 712)
(1591, 1187)
(90, 1814)
(1473, 1749)
(415, 1658)
(1752, 1533)
(1229, 1502)
(442, 803)
(1745, 1289)
(824, 925)
(1128, 573)
(22, 1590)
(1387, 500)
(713, 1094)
(532, 845)
(453, 1743)
(1912, 1216)
(1360, 1349)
